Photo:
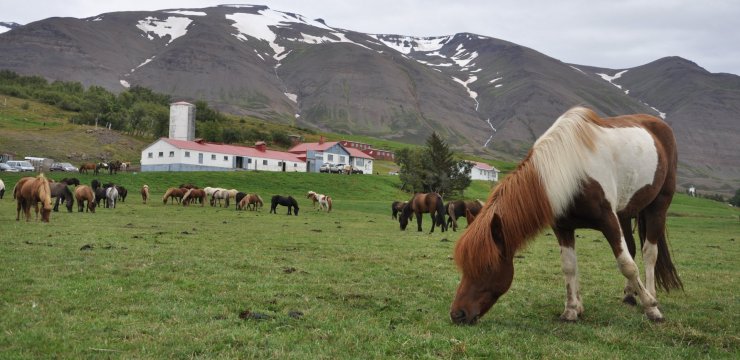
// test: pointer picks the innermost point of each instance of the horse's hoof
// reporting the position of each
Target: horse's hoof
(569, 315)
(654, 314)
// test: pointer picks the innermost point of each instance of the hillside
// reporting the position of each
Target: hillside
(485, 96)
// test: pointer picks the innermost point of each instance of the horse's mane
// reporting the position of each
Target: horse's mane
(530, 198)
(44, 192)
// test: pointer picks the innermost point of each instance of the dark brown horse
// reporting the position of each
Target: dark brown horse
(30, 191)
(460, 208)
(431, 203)
(583, 172)
(84, 194)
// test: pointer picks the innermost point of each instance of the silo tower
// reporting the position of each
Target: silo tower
(182, 121)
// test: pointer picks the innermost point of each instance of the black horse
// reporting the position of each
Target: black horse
(114, 166)
(100, 196)
(239, 196)
(95, 184)
(122, 192)
(285, 201)
(71, 181)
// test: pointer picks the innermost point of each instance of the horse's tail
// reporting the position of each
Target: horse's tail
(441, 213)
(666, 275)
(452, 219)
(328, 201)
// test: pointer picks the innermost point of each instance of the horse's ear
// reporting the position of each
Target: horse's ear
(497, 233)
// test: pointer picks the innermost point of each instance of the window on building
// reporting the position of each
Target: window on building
(341, 158)
(161, 154)
(226, 158)
(359, 161)
(172, 154)
(151, 155)
(295, 165)
(249, 161)
(280, 163)
(264, 162)
(213, 156)
(329, 157)
(187, 154)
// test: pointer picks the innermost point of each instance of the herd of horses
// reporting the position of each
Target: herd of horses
(113, 167)
(583, 172)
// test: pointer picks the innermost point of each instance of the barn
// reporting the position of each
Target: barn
(332, 152)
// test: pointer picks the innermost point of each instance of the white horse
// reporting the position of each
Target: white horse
(324, 201)
(2, 189)
(692, 191)
(111, 195)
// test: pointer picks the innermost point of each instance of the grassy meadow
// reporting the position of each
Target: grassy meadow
(167, 281)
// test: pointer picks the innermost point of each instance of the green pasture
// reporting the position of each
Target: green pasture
(167, 281)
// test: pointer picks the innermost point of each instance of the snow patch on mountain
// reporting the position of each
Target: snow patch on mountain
(407, 44)
(173, 26)
(187, 12)
(611, 79)
(471, 93)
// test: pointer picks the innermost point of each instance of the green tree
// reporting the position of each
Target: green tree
(433, 169)
(735, 200)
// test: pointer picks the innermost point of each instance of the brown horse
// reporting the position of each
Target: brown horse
(583, 172)
(31, 191)
(459, 208)
(84, 168)
(431, 203)
(194, 194)
(250, 202)
(84, 193)
(173, 194)
(145, 193)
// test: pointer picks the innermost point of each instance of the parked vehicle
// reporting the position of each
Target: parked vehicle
(63, 167)
(8, 168)
(21, 165)
(337, 168)
(325, 168)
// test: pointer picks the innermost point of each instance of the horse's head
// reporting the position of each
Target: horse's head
(403, 217)
(487, 269)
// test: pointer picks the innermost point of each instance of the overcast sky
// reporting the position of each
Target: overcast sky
(607, 33)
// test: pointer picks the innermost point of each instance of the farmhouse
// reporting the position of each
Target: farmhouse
(483, 171)
(332, 152)
(180, 152)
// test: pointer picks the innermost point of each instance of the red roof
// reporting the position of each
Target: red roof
(482, 166)
(358, 153)
(232, 150)
(304, 147)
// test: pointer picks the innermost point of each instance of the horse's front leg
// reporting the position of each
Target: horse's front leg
(418, 221)
(434, 222)
(569, 264)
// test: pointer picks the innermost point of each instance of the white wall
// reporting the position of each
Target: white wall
(182, 122)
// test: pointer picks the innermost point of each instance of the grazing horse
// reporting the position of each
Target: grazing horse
(95, 184)
(397, 207)
(583, 172)
(61, 192)
(251, 202)
(458, 208)
(100, 196)
(84, 168)
(222, 194)
(84, 193)
(98, 166)
(323, 200)
(122, 193)
(173, 194)
(238, 199)
(288, 201)
(114, 166)
(31, 191)
(111, 196)
(2, 189)
(420, 203)
(71, 181)
(145, 193)
(194, 194)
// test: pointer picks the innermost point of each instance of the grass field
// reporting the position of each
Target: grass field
(166, 281)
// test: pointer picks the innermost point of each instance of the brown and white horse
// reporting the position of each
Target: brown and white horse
(32, 191)
(145, 193)
(324, 201)
(583, 172)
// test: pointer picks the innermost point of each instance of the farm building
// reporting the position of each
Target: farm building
(180, 152)
(377, 154)
(332, 152)
(483, 171)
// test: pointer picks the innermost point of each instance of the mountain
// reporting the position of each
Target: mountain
(7, 26)
(485, 96)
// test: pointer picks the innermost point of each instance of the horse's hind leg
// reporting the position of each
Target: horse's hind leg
(613, 233)
(626, 225)
(569, 263)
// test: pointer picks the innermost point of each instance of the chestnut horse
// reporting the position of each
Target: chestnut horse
(431, 203)
(194, 194)
(173, 194)
(84, 168)
(31, 191)
(459, 208)
(84, 193)
(583, 172)
(250, 201)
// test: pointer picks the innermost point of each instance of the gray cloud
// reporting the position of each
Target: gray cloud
(614, 34)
